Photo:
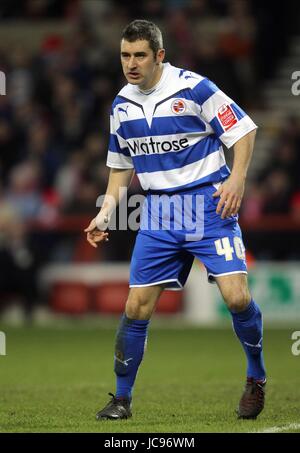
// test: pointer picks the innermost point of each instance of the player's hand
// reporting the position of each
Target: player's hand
(231, 193)
(94, 234)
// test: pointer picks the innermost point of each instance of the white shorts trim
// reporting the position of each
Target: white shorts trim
(220, 275)
(160, 282)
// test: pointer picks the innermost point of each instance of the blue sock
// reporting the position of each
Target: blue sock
(248, 327)
(129, 351)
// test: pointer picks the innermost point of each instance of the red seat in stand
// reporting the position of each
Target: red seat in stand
(70, 297)
(110, 297)
(170, 302)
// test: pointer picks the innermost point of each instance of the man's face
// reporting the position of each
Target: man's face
(140, 65)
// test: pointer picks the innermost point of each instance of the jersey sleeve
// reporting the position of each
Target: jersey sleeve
(227, 120)
(118, 155)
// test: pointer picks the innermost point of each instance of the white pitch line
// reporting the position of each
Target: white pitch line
(279, 429)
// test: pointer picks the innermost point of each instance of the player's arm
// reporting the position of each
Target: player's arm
(235, 129)
(96, 230)
(232, 190)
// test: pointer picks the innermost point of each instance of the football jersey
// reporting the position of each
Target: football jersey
(173, 135)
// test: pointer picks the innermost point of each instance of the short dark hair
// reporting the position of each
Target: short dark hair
(143, 29)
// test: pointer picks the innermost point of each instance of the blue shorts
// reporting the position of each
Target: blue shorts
(177, 228)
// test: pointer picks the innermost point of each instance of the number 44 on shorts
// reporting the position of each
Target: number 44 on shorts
(223, 247)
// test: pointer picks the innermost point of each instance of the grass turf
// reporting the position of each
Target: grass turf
(55, 380)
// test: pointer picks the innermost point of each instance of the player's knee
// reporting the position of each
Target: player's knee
(237, 299)
(138, 308)
(132, 309)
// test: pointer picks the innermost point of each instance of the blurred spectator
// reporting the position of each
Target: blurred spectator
(23, 193)
(25, 198)
(9, 152)
(236, 42)
(278, 191)
(295, 206)
(68, 178)
(44, 152)
(35, 9)
(253, 202)
(180, 35)
(84, 199)
(20, 82)
(18, 276)
(208, 61)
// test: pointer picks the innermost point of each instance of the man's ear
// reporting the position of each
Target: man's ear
(160, 56)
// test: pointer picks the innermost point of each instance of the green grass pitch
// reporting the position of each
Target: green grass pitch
(55, 380)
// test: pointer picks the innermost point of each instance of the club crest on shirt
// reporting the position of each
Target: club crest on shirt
(226, 116)
(178, 106)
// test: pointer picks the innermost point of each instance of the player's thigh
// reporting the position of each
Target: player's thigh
(157, 259)
(141, 301)
(235, 291)
(221, 249)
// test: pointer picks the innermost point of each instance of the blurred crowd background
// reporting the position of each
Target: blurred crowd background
(61, 61)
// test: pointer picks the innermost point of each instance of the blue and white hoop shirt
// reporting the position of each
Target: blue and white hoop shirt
(172, 136)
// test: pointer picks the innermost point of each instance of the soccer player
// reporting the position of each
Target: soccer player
(168, 126)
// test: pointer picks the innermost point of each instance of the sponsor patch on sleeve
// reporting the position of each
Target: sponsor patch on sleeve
(226, 117)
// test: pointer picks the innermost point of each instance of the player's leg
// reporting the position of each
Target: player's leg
(141, 301)
(157, 263)
(132, 336)
(247, 320)
(222, 251)
(129, 348)
(248, 326)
